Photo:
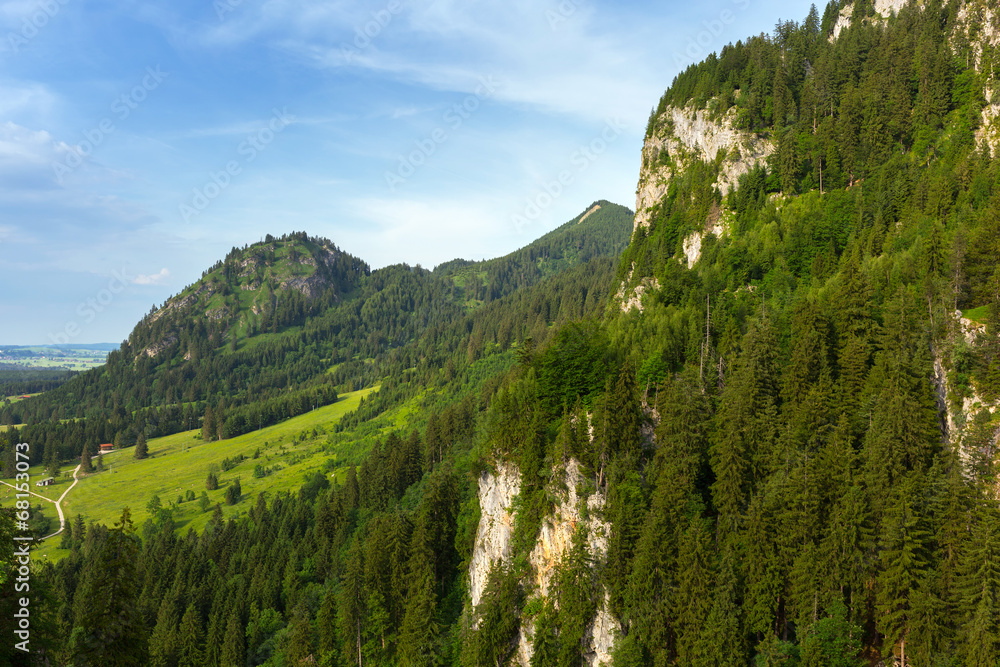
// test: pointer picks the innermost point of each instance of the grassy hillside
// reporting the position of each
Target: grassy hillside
(293, 450)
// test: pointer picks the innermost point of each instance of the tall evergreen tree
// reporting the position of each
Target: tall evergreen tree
(141, 448)
(190, 639)
(108, 631)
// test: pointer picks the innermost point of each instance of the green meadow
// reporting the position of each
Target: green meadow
(292, 452)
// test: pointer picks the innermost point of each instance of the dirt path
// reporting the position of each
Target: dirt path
(57, 503)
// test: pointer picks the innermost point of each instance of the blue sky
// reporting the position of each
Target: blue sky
(140, 141)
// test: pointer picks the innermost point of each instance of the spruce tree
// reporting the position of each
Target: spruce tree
(208, 426)
(695, 582)
(234, 644)
(85, 465)
(980, 594)
(326, 624)
(190, 640)
(576, 592)
(903, 566)
(419, 633)
(141, 448)
(108, 631)
(300, 638)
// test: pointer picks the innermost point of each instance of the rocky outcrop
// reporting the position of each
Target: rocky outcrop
(843, 21)
(960, 406)
(887, 8)
(718, 224)
(593, 209)
(554, 540)
(312, 286)
(497, 491)
(883, 8)
(682, 135)
(556, 534)
(496, 524)
(158, 347)
(632, 298)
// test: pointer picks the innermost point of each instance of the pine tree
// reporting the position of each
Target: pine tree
(85, 465)
(419, 632)
(208, 425)
(141, 448)
(190, 639)
(300, 638)
(326, 624)
(903, 567)
(108, 630)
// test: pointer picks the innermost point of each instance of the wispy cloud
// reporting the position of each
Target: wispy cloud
(153, 279)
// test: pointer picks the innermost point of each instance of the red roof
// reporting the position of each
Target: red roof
(107, 446)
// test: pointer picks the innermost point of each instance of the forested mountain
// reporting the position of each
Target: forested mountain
(764, 435)
(277, 327)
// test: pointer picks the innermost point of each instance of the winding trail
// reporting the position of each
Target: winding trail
(58, 503)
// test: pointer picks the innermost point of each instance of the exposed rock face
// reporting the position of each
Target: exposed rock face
(888, 7)
(594, 209)
(884, 8)
(158, 347)
(681, 136)
(554, 539)
(719, 225)
(979, 22)
(496, 525)
(843, 21)
(630, 299)
(556, 535)
(960, 410)
(689, 133)
(312, 286)
(183, 302)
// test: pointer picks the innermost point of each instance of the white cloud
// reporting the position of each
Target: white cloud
(32, 99)
(154, 279)
(27, 157)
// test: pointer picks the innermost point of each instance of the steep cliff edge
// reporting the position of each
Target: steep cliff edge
(497, 493)
(682, 135)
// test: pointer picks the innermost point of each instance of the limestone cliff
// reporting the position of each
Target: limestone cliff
(682, 135)
(554, 540)
(961, 404)
(496, 524)
(497, 491)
